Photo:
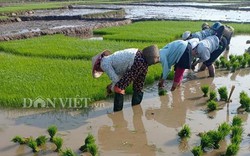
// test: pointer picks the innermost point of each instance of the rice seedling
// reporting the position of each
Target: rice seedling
(88, 140)
(64, 62)
(41, 140)
(58, 141)
(130, 32)
(248, 61)
(236, 139)
(216, 136)
(224, 129)
(237, 121)
(20, 140)
(64, 78)
(206, 141)
(232, 150)
(222, 61)
(212, 95)
(212, 105)
(228, 65)
(223, 93)
(244, 100)
(243, 63)
(52, 131)
(61, 47)
(233, 59)
(33, 145)
(205, 90)
(217, 64)
(67, 152)
(185, 132)
(231, 56)
(237, 131)
(235, 66)
(93, 149)
(197, 151)
(240, 58)
(89, 145)
(162, 92)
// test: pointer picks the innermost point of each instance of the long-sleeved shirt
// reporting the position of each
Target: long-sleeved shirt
(203, 34)
(118, 63)
(206, 47)
(171, 54)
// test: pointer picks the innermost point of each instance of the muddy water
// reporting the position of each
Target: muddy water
(149, 129)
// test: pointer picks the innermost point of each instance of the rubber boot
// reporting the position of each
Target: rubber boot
(211, 70)
(118, 102)
(137, 98)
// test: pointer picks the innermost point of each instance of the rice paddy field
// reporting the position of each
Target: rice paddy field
(59, 67)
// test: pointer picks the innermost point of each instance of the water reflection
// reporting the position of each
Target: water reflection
(43, 118)
(238, 44)
(120, 137)
(172, 111)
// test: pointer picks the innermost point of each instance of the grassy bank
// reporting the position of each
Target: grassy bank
(58, 66)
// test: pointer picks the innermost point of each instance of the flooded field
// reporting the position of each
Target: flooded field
(185, 13)
(145, 11)
(149, 129)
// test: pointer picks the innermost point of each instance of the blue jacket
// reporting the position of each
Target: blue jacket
(171, 54)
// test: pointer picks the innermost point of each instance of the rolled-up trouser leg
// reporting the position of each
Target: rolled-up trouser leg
(137, 98)
(118, 102)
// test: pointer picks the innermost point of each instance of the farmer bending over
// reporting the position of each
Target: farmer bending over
(208, 50)
(124, 67)
(216, 29)
(179, 53)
